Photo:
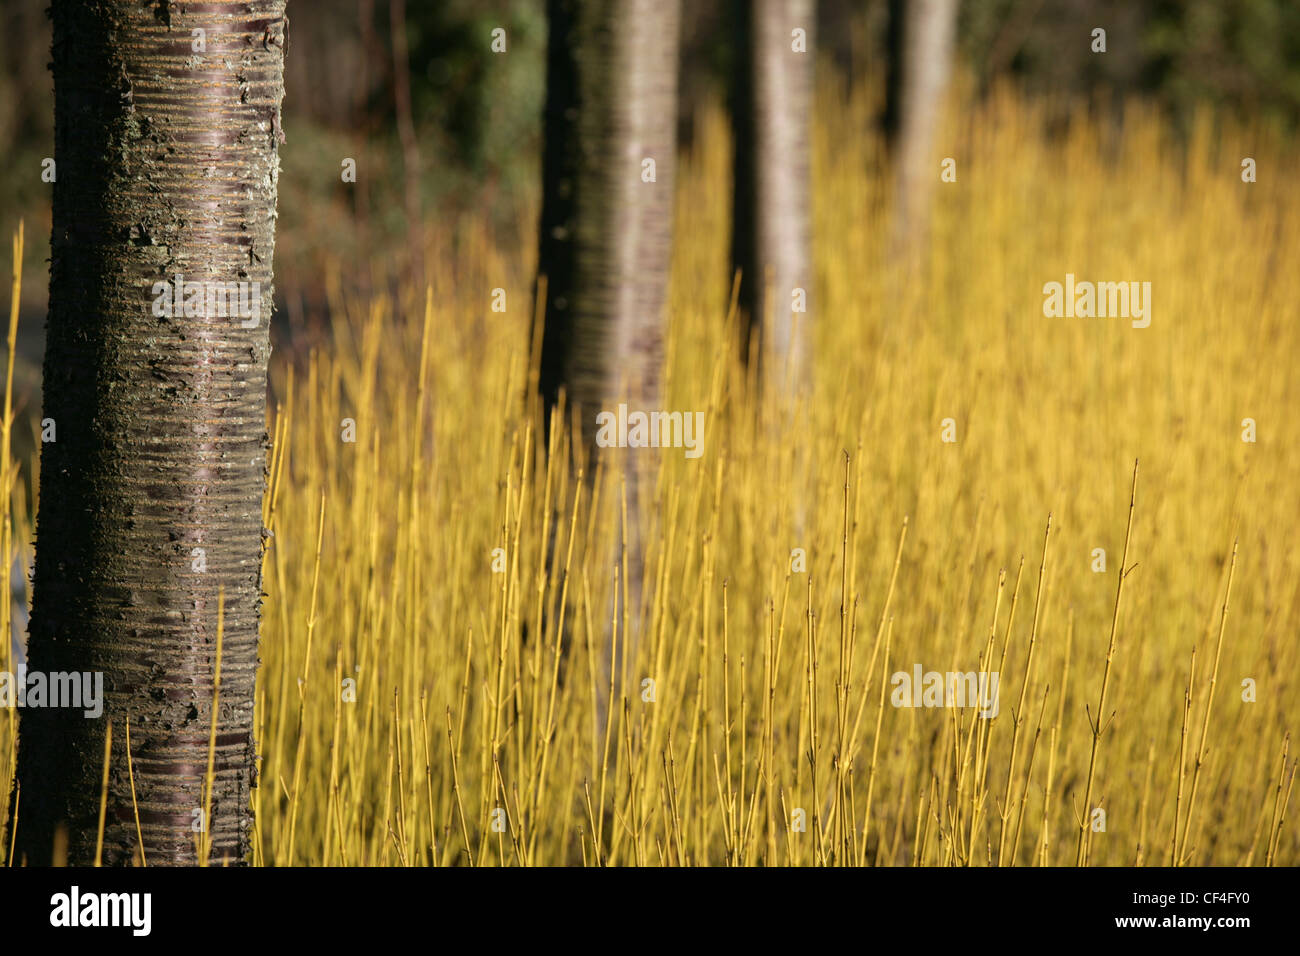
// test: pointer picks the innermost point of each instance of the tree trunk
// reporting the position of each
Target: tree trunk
(772, 203)
(410, 144)
(921, 40)
(605, 238)
(166, 142)
(606, 232)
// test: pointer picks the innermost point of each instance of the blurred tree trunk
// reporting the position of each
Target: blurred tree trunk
(605, 238)
(410, 144)
(772, 203)
(151, 491)
(920, 42)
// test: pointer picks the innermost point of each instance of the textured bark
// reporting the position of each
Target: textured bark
(605, 239)
(167, 163)
(772, 203)
(921, 40)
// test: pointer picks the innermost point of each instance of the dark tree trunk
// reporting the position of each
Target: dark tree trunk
(920, 41)
(410, 144)
(772, 203)
(605, 238)
(151, 492)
